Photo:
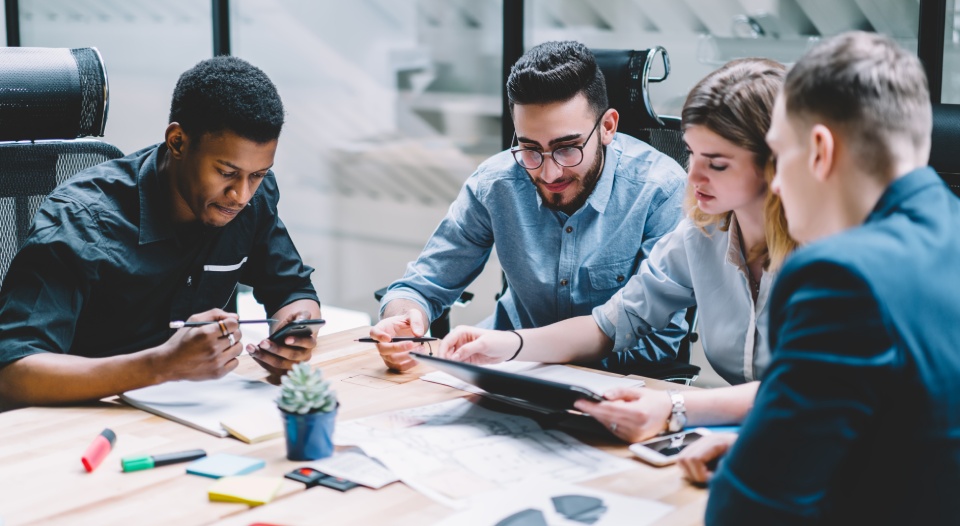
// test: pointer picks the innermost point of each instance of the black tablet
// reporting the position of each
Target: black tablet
(544, 393)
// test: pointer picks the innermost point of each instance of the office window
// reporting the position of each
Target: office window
(145, 46)
(391, 104)
(701, 35)
(951, 55)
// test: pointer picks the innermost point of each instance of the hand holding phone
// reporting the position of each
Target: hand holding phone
(297, 329)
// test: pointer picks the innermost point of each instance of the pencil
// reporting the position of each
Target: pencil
(181, 324)
(401, 339)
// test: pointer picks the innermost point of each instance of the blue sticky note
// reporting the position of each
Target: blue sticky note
(224, 465)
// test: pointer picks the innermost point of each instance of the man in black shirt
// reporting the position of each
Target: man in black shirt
(166, 233)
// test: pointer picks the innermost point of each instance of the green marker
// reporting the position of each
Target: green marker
(154, 461)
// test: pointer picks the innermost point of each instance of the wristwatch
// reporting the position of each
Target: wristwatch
(678, 413)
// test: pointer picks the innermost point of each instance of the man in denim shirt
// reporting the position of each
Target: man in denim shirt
(570, 219)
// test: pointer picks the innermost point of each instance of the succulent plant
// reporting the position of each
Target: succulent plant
(303, 391)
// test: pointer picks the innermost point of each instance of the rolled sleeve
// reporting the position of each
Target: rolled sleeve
(46, 283)
(606, 315)
(406, 293)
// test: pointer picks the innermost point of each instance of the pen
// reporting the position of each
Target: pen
(395, 339)
(154, 461)
(98, 449)
(181, 324)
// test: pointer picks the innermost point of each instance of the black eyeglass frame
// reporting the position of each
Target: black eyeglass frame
(515, 150)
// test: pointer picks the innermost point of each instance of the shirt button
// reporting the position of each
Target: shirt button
(563, 282)
(569, 229)
(620, 279)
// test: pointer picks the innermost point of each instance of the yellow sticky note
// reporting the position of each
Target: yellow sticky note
(245, 489)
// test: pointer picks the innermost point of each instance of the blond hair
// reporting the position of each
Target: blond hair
(736, 102)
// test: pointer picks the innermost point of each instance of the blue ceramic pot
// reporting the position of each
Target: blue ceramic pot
(309, 436)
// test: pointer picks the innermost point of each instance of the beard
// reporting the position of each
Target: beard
(587, 182)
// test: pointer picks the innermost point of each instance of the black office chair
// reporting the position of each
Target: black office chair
(49, 97)
(943, 148)
(628, 76)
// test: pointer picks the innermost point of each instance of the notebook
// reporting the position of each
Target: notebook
(247, 490)
(203, 405)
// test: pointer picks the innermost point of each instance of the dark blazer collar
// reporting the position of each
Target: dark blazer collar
(902, 188)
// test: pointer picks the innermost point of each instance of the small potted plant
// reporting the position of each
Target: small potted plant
(309, 409)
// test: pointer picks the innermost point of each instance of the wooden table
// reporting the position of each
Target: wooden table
(42, 480)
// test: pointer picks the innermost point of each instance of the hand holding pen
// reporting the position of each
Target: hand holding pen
(181, 324)
(395, 349)
(205, 351)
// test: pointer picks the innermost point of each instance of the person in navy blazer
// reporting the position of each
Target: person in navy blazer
(857, 420)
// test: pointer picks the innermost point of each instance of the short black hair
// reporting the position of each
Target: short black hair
(227, 93)
(556, 72)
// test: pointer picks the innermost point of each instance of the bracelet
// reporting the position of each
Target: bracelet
(518, 348)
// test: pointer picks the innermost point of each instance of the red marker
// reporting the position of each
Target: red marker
(98, 450)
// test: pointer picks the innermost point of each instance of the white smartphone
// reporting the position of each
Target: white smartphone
(663, 450)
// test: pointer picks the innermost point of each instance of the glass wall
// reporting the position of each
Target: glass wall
(951, 55)
(701, 35)
(145, 46)
(391, 104)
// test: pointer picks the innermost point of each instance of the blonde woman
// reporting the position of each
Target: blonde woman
(722, 258)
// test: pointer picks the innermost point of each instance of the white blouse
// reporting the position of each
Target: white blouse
(689, 267)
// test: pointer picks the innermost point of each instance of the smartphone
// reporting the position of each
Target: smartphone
(297, 328)
(663, 450)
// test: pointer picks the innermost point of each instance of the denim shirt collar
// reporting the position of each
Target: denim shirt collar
(601, 193)
(155, 222)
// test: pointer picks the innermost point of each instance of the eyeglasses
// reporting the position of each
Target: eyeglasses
(564, 156)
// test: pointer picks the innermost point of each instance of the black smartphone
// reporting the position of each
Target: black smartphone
(297, 328)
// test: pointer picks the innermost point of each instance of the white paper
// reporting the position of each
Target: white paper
(494, 507)
(354, 466)
(203, 405)
(596, 382)
(455, 450)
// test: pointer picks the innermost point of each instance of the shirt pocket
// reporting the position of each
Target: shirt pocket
(218, 282)
(607, 278)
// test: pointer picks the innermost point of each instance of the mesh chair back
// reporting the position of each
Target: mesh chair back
(944, 157)
(48, 98)
(627, 73)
